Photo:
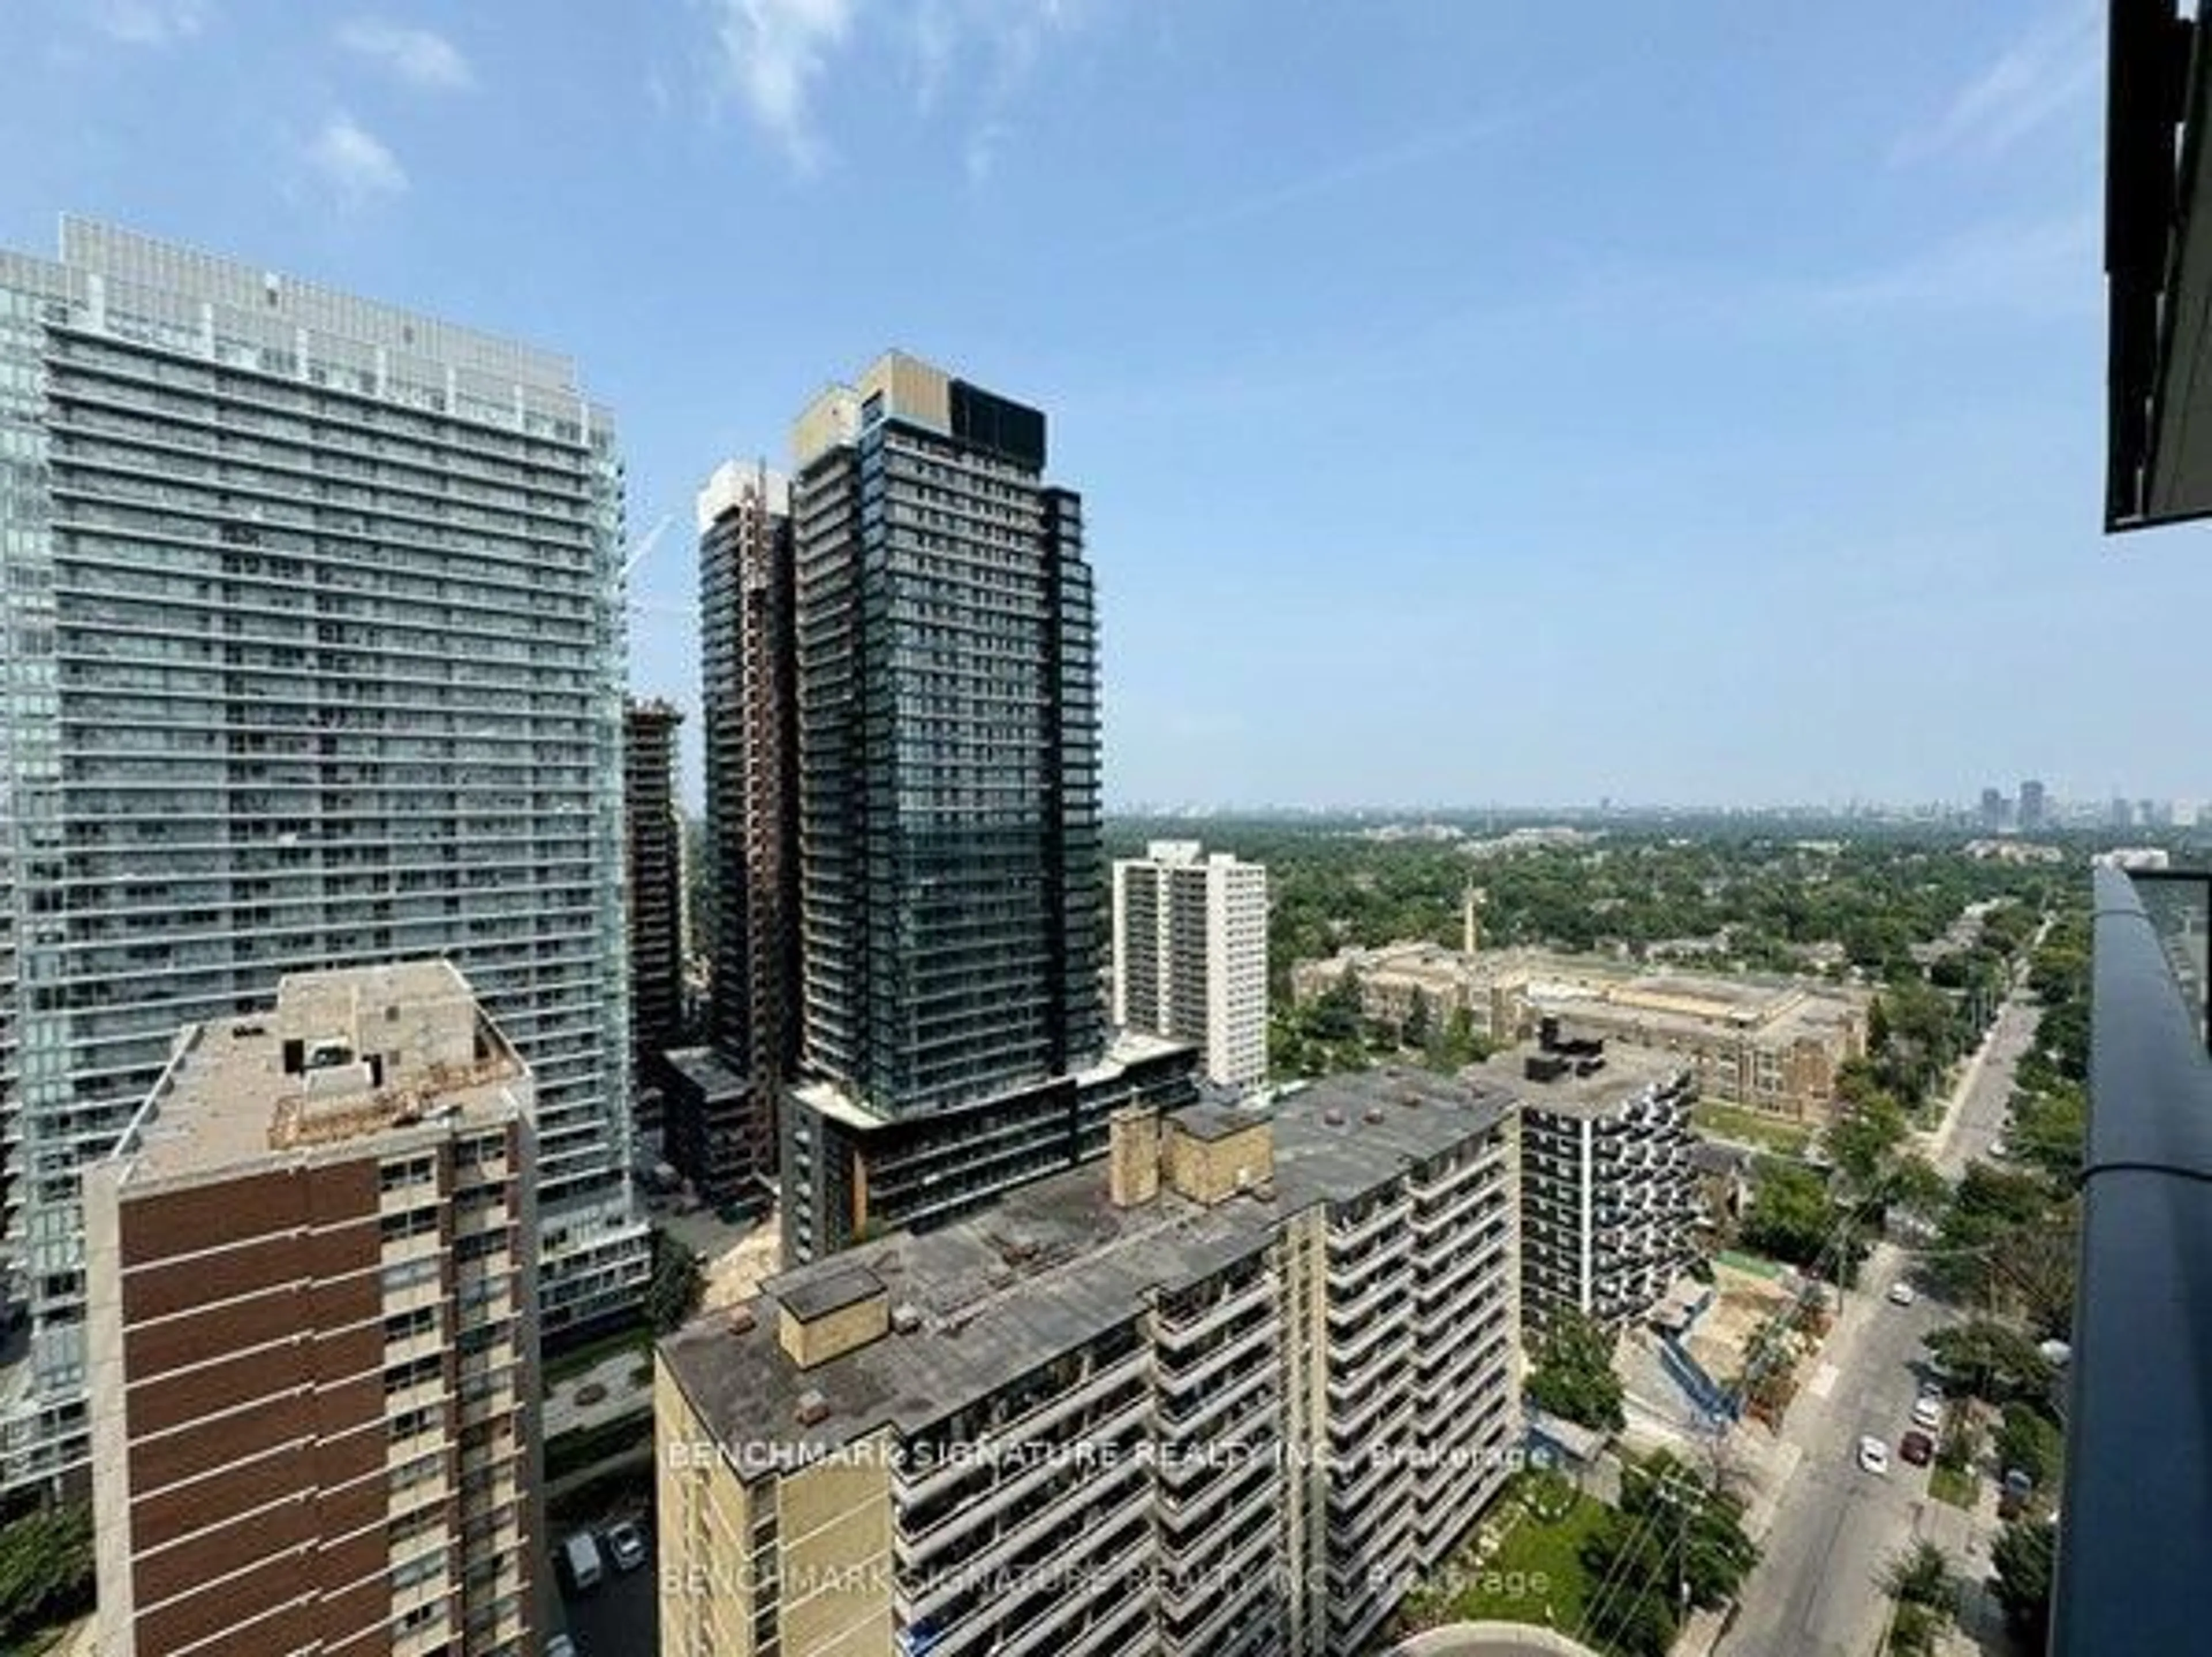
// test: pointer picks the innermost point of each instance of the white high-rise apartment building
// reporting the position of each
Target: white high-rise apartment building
(1190, 955)
(1608, 1190)
(313, 658)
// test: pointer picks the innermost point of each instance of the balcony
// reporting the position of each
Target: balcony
(2135, 1531)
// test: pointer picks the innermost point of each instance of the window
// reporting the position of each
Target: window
(417, 1170)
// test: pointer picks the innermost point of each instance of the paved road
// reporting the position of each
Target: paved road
(1978, 1109)
(1817, 1591)
(618, 1618)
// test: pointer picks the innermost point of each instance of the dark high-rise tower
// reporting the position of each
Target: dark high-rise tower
(656, 884)
(723, 1115)
(949, 786)
(2031, 806)
(948, 810)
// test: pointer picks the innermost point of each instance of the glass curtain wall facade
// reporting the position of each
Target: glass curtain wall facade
(948, 804)
(949, 776)
(314, 658)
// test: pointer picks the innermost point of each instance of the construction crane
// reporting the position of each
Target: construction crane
(645, 543)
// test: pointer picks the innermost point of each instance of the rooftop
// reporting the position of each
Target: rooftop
(341, 1055)
(1127, 1049)
(1046, 1268)
(705, 1069)
(1628, 1073)
(1775, 1006)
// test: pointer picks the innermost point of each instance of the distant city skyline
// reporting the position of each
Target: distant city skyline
(1765, 469)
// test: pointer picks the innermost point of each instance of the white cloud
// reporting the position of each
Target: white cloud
(773, 55)
(149, 22)
(355, 161)
(2046, 267)
(982, 156)
(2054, 69)
(416, 56)
(773, 51)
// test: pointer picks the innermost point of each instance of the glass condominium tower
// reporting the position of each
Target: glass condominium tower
(314, 658)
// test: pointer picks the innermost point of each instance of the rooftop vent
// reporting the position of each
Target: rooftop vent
(906, 1317)
(813, 1409)
(1333, 1116)
(1373, 1113)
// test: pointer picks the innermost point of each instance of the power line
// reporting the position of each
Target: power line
(1617, 1577)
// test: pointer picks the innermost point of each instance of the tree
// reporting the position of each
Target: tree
(678, 1286)
(1675, 1542)
(2029, 1441)
(1960, 1443)
(1991, 1216)
(1335, 1015)
(1913, 1186)
(2024, 1555)
(2033, 1269)
(1572, 1375)
(2050, 1130)
(1792, 1217)
(1920, 1576)
(1912, 1631)
(45, 1571)
(1863, 1140)
(1414, 1032)
(1877, 1030)
(1992, 1361)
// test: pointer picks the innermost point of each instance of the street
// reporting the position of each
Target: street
(1817, 1590)
(618, 1618)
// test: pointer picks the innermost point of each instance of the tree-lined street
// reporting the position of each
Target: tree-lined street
(1818, 1589)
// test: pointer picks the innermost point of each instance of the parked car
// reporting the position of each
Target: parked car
(1901, 1294)
(560, 1645)
(1874, 1456)
(1917, 1448)
(579, 1559)
(1928, 1412)
(625, 1545)
(1931, 1388)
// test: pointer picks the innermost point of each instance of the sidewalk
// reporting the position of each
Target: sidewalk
(624, 1384)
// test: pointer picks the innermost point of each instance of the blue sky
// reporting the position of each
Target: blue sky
(1475, 403)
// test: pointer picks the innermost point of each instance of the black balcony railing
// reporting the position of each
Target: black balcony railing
(2135, 1546)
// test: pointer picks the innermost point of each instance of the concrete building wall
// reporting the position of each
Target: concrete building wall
(1262, 1461)
(1190, 955)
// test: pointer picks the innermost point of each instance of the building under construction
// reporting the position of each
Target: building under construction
(723, 1136)
(654, 838)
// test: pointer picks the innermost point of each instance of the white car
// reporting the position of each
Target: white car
(560, 1645)
(1928, 1413)
(625, 1544)
(1901, 1294)
(1874, 1456)
(1932, 1389)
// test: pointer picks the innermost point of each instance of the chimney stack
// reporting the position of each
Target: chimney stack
(1133, 1155)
